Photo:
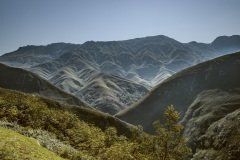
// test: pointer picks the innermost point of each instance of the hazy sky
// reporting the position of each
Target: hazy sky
(36, 22)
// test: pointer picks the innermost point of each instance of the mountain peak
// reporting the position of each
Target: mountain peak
(226, 39)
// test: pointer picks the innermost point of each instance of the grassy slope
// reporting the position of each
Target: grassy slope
(15, 146)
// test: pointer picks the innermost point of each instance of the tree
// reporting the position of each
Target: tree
(169, 143)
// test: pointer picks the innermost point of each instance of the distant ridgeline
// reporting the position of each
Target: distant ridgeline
(67, 87)
(110, 76)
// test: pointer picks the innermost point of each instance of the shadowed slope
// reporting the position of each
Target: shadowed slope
(181, 89)
(25, 81)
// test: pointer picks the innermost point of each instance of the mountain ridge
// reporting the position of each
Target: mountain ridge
(25, 81)
(142, 61)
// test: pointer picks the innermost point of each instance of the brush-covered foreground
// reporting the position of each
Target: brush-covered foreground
(16, 146)
(63, 132)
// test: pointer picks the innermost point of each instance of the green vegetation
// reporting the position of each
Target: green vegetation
(167, 143)
(64, 133)
(44, 138)
(15, 146)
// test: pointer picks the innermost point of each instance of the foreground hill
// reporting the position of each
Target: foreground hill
(25, 81)
(76, 133)
(71, 132)
(212, 125)
(144, 62)
(182, 88)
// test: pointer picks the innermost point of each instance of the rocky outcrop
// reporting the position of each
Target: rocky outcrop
(212, 125)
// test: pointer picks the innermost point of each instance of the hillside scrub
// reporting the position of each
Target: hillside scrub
(76, 139)
(15, 146)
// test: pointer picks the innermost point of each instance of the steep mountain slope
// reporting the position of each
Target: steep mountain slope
(140, 60)
(182, 88)
(212, 125)
(21, 80)
(144, 62)
(105, 92)
(111, 94)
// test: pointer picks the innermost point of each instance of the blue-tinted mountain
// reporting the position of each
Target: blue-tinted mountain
(25, 57)
(110, 68)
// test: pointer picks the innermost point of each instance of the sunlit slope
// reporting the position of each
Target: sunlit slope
(14, 146)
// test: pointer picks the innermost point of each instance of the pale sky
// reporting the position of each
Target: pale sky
(40, 22)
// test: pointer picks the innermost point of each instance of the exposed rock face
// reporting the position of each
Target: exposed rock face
(110, 93)
(144, 62)
(212, 124)
(182, 88)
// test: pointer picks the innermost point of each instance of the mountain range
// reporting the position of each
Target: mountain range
(110, 76)
(52, 98)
